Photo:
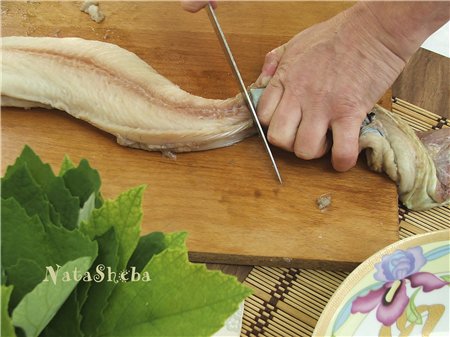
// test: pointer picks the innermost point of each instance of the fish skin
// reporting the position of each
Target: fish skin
(392, 146)
(437, 143)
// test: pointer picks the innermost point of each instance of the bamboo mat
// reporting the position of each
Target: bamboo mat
(288, 301)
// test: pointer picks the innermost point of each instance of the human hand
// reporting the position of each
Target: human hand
(195, 6)
(326, 77)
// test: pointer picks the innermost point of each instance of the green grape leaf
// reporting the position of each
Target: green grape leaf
(181, 299)
(39, 306)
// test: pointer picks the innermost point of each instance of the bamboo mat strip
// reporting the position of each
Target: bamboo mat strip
(288, 302)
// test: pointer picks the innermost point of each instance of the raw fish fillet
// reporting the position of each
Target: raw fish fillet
(117, 92)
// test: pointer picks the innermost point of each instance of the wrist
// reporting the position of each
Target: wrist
(401, 26)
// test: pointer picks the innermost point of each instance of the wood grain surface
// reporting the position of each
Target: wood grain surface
(227, 199)
(425, 82)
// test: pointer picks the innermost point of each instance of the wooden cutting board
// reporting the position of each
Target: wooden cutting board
(227, 199)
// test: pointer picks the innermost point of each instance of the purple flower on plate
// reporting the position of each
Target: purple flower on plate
(391, 298)
(400, 264)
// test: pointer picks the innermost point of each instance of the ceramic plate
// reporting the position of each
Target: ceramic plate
(233, 325)
(403, 290)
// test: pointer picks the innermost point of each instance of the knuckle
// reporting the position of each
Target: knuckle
(302, 154)
(305, 149)
(347, 107)
(279, 140)
(277, 80)
(275, 54)
(343, 161)
(270, 56)
(264, 118)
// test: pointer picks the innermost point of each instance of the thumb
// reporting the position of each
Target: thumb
(270, 66)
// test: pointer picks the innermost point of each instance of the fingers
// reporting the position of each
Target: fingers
(345, 143)
(195, 6)
(311, 138)
(305, 132)
(284, 122)
(269, 100)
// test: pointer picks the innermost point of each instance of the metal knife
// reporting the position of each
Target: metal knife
(242, 87)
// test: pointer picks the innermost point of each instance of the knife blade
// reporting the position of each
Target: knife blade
(245, 94)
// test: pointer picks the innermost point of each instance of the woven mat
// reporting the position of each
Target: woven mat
(288, 301)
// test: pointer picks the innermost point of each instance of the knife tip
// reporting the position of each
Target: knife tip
(279, 177)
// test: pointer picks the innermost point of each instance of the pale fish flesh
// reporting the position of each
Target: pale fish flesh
(117, 92)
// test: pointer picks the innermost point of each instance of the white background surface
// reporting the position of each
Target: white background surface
(439, 42)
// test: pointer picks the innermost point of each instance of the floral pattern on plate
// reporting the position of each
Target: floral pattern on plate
(401, 291)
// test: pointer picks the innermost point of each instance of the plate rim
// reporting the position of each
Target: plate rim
(366, 266)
